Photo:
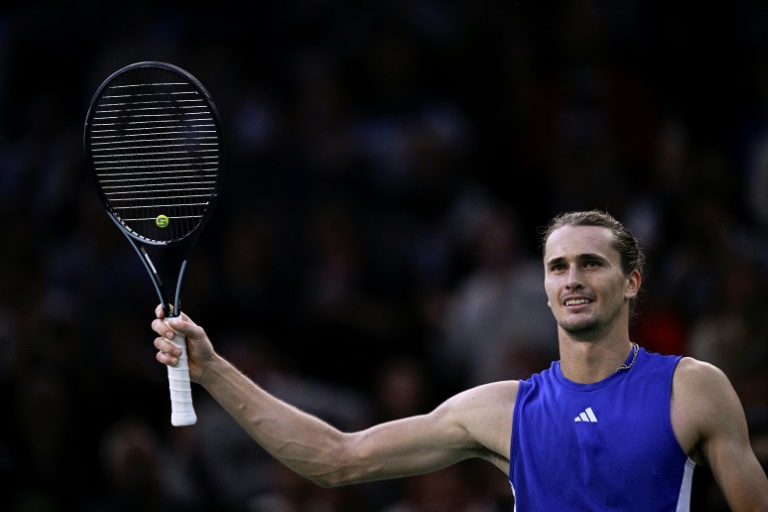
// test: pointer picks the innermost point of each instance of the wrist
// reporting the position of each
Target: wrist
(210, 370)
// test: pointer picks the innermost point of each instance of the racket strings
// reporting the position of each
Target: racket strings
(155, 148)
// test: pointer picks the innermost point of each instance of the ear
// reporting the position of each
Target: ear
(633, 284)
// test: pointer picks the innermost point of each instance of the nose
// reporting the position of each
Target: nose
(573, 279)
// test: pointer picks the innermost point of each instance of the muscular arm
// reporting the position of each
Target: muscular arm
(475, 423)
(710, 424)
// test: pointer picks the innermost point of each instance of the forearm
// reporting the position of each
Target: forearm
(303, 442)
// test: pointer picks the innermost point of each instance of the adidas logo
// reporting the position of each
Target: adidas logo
(588, 416)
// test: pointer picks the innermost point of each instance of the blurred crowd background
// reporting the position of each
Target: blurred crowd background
(376, 248)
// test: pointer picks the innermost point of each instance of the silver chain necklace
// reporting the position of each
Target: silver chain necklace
(636, 349)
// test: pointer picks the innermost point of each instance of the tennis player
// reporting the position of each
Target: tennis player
(610, 426)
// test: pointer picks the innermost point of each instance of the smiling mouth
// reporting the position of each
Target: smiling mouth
(577, 302)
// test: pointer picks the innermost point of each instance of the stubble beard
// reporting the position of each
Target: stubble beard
(583, 328)
(591, 327)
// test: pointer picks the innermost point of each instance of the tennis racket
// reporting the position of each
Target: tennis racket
(153, 141)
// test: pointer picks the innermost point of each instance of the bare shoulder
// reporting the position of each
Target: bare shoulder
(702, 397)
(698, 379)
(709, 422)
(485, 412)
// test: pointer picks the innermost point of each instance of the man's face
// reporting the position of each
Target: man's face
(586, 287)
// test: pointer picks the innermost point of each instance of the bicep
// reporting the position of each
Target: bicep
(738, 472)
(475, 423)
(403, 447)
(716, 416)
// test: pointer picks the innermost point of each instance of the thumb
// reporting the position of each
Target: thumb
(183, 325)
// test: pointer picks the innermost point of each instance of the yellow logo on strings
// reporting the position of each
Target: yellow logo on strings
(162, 221)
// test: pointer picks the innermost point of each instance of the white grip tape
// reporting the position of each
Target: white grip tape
(182, 410)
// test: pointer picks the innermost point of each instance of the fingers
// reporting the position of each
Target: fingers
(168, 329)
(182, 324)
(162, 328)
(168, 353)
(160, 312)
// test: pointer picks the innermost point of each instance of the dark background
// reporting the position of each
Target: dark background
(383, 159)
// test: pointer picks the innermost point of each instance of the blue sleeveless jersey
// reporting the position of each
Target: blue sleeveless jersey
(607, 446)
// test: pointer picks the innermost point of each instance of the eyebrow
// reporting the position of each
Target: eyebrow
(580, 257)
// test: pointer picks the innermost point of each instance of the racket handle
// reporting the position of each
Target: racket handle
(182, 410)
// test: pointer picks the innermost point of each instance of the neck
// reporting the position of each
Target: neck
(587, 362)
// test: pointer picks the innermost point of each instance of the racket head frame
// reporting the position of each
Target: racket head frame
(137, 240)
(191, 236)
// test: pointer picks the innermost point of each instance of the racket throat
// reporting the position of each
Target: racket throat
(177, 300)
(159, 288)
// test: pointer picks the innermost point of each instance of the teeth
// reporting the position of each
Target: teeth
(574, 302)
